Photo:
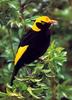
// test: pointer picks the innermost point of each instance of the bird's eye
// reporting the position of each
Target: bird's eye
(42, 22)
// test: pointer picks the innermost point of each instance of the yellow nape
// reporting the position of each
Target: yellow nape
(39, 19)
(20, 52)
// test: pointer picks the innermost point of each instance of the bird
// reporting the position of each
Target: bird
(33, 44)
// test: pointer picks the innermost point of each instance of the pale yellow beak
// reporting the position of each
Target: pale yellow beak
(53, 22)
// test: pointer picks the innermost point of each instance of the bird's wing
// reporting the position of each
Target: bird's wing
(20, 52)
(24, 44)
(26, 38)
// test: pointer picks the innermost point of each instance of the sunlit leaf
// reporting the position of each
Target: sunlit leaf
(31, 92)
(14, 93)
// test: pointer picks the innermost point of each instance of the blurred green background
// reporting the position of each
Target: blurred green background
(16, 18)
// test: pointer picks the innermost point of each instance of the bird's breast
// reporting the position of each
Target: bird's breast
(40, 43)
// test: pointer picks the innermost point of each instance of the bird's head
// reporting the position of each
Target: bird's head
(42, 22)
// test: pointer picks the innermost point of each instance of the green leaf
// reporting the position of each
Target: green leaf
(31, 92)
(46, 71)
(14, 93)
(2, 94)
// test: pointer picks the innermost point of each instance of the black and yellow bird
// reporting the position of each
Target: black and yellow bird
(33, 44)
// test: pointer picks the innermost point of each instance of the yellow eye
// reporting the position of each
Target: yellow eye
(42, 22)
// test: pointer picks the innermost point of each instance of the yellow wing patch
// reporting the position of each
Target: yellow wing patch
(20, 52)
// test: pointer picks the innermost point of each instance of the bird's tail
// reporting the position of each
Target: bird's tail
(15, 71)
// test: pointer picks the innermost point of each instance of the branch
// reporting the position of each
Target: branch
(23, 6)
(53, 87)
(70, 2)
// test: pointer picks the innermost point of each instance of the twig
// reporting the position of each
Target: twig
(10, 41)
(23, 6)
(70, 2)
(22, 9)
(53, 87)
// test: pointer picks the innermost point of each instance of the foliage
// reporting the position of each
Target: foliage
(44, 77)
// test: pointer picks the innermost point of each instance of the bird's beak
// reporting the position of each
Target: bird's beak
(53, 22)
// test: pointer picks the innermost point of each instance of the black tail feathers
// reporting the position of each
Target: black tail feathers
(15, 71)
